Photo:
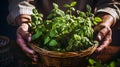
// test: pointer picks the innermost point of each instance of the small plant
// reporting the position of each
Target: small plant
(62, 30)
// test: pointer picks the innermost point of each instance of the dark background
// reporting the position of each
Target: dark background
(5, 28)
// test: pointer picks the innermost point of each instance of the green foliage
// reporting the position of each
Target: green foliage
(64, 31)
(93, 63)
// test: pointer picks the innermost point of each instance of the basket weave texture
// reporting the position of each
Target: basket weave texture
(62, 59)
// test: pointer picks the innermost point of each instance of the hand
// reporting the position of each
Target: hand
(103, 34)
(23, 36)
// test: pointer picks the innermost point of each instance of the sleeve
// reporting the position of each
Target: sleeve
(111, 7)
(17, 7)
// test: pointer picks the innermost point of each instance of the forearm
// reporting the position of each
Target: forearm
(18, 8)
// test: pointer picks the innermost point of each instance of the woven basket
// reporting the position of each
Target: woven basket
(62, 59)
(6, 57)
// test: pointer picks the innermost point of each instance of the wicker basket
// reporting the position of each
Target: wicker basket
(60, 59)
(6, 57)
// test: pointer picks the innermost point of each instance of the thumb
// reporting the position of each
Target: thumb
(30, 53)
(29, 38)
(99, 37)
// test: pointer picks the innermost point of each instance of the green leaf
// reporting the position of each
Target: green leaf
(80, 13)
(96, 42)
(35, 11)
(53, 42)
(66, 5)
(77, 37)
(52, 33)
(98, 64)
(50, 16)
(36, 35)
(112, 64)
(33, 18)
(95, 23)
(47, 39)
(91, 61)
(73, 9)
(40, 15)
(55, 5)
(73, 4)
(88, 8)
(97, 19)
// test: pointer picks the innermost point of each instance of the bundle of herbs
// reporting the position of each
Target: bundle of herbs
(62, 30)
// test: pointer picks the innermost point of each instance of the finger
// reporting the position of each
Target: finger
(27, 36)
(23, 31)
(102, 33)
(33, 56)
(97, 30)
(106, 41)
(29, 52)
(99, 27)
(20, 40)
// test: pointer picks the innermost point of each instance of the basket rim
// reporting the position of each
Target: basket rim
(82, 53)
